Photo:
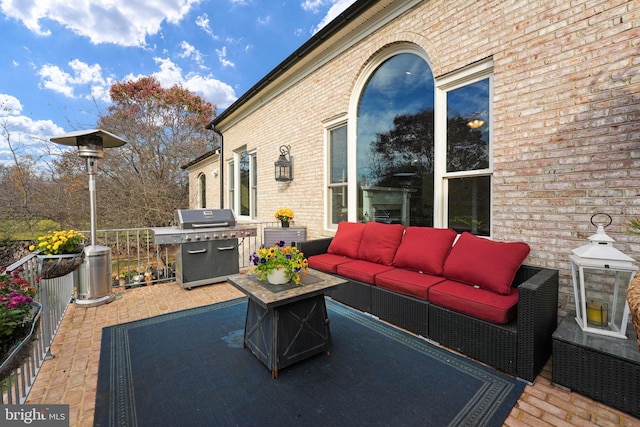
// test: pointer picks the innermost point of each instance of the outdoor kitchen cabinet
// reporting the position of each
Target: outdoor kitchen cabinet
(273, 235)
(206, 262)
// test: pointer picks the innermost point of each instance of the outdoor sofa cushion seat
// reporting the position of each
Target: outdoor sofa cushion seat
(327, 262)
(362, 271)
(407, 282)
(475, 301)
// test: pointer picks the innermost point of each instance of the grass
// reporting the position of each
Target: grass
(13, 230)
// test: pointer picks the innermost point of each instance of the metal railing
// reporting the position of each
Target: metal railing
(55, 296)
(136, 261)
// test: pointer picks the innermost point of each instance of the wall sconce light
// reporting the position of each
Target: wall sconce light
(284, 165)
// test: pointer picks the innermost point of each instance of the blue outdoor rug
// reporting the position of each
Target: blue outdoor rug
(189, 369)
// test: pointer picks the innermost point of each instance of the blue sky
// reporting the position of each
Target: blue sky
(61, 56)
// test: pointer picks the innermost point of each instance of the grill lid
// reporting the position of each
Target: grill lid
(204, 218)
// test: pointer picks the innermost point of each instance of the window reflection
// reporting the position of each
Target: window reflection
(338, 174)
(395, 140)
(470, 205)
(244, 184)
(468, 127)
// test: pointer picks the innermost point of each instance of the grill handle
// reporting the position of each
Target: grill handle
(198, 251)
(217, 224)
(226, 248)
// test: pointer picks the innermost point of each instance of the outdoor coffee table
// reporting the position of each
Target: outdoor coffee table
(286, 323)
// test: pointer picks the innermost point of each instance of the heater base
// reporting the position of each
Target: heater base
(94, 302)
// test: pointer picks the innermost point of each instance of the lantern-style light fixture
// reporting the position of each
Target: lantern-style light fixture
(601, 275)
(284, 165)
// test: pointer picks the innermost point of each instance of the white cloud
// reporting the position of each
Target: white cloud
(202, 21)
(265, 20)
(121, 22)
(222, 57)
(27, 136)
(189, 51)
(87, 78)
(337, 7)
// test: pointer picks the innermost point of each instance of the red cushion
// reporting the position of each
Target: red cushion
(327, 262)
(407, 282)
(476, 302)
(380, 242)
(346, 241)
(362, 271)
(424, 249)
(489, 264)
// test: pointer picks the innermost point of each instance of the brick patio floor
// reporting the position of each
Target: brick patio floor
(71, 377)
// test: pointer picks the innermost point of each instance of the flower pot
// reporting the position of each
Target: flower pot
(52, 266)
(278, 277)
(13, 357)
(285, 224)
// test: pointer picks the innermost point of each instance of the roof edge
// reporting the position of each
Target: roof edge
(339, 22)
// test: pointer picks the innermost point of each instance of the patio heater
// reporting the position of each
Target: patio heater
(601, 275)
(94, 278)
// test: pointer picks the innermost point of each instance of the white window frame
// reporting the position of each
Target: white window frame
(479, 71)
(234, 199)
(328, 127)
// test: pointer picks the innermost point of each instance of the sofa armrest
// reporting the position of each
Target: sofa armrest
(314, 247)
(537, 318)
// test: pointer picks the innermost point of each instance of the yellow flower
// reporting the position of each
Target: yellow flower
(59, 242)
(284, 214)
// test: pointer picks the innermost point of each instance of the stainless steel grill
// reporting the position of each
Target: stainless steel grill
(208, 240)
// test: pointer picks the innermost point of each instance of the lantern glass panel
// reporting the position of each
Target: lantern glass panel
(605, 297)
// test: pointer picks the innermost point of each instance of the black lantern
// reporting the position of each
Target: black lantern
(284, 165)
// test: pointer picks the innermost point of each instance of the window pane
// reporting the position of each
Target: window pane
(395, 143)
(254, 185)
(338, 154)
(338, 210)
(338, 200)
(232, 184)
(202, 184)
(468, 127)
(244, 184)
(470, 205)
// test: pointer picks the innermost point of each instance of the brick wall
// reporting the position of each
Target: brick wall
(566, 117)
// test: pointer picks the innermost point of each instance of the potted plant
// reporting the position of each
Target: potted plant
(59, 253)
(19, 316)
(284, 215)
(285, 261)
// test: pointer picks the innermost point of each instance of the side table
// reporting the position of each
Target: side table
(603, 368)
(286, 323)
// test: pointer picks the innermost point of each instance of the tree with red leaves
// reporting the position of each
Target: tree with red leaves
(143, 181)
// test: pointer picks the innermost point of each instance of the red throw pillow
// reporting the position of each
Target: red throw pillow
(424, 249)
(380, 242)
(346, 241)
(486, 263)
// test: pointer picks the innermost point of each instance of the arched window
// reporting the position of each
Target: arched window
(202, 190)
(395, 143)
(420, 153)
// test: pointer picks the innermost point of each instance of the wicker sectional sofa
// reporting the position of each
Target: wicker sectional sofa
(467, 293)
